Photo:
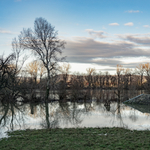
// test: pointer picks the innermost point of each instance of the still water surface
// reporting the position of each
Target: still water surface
(66, 115)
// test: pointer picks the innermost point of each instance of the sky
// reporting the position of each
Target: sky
(99, 33)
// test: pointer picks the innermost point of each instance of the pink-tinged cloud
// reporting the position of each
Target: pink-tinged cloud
(5, 31)
(114, 24)
(146, 26)
(96, 34)
(129, 24)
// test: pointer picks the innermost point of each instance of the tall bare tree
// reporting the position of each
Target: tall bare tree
(10, 72)
(45, 44)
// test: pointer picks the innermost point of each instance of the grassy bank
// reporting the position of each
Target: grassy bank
(79, 138)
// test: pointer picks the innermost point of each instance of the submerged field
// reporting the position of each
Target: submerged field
(76, 138)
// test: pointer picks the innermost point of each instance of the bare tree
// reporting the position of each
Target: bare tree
(5, 70)
(119, 72)
(64, 70)
(10, 77)
(147, 69)
(45, 44)
(75, 88)
(127, 78)
(90, 72)
(147, 72)
(140, 70)
(10, 72)
(16, 66)
(32, 69)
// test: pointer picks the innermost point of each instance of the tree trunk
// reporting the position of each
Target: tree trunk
(47, 115)
(48, 84)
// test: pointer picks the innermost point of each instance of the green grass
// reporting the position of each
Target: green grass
(77, 138)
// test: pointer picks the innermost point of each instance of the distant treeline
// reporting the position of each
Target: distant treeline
(26, 83)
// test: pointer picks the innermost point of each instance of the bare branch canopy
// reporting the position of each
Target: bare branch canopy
(44, 43)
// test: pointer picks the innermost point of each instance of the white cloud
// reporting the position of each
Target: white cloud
(129, 24)
(132, 11)
(96, 34)
(114, 24)
(5, 31)
(146, 26)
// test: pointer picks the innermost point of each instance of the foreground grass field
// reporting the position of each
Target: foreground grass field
(76, 138)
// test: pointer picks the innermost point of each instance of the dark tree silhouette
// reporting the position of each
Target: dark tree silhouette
(45, 44)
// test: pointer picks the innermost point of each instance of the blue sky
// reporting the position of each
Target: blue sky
(99, 33)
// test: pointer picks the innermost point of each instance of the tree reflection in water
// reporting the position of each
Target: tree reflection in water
(49, 118)
(63, 114)
(110, 99)
(60, 113)
(68, 114)
(11, 115)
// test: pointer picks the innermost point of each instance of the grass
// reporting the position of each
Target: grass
(76, 138)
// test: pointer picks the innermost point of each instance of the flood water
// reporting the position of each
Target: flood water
(90, 113)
